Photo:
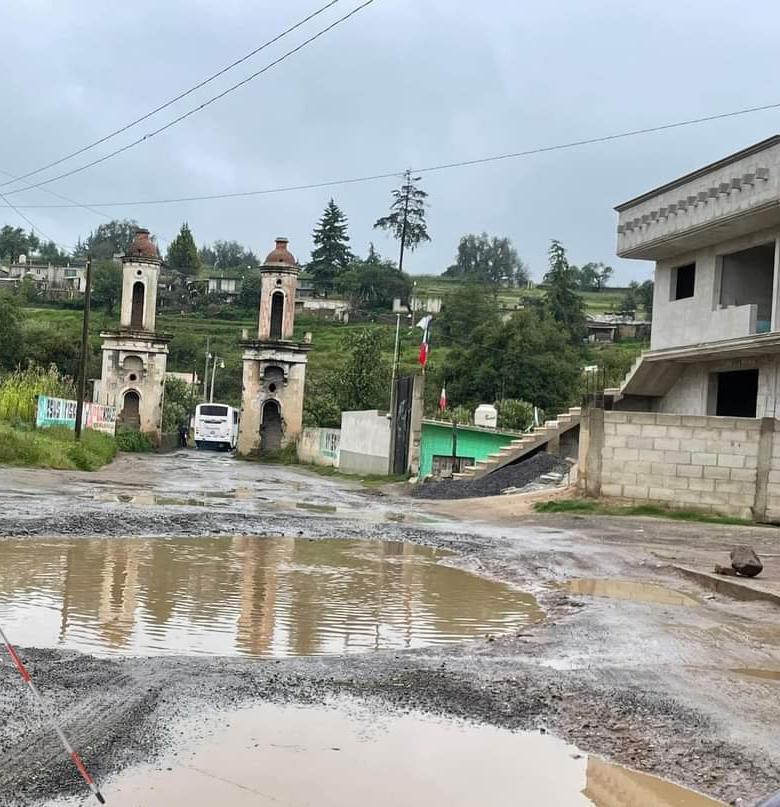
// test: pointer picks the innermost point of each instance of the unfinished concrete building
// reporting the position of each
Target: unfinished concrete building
(136, 355)
(692, 424)
(274, 364)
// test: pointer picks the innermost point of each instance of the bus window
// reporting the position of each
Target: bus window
(213, 410)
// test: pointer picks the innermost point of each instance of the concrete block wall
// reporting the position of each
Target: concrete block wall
(729, 466)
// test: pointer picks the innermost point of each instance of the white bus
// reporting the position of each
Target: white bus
(216, 426)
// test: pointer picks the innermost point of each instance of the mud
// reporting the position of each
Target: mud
(271, 597)
(272, 755)
(643, 684)
(630, 590)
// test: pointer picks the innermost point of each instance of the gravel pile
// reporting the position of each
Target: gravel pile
(511, 476)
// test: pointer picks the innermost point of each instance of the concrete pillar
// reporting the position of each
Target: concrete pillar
(776, 289)
(763, 467)
(591, 446)
(415, 424)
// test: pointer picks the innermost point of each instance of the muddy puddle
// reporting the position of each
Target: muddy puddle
(245, 595)
(630, 590)
(757, 672)
(349, 757)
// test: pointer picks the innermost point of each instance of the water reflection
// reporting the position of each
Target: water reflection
(245, 595)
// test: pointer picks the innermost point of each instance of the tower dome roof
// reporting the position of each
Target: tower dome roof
(280, 255)
(143, 246)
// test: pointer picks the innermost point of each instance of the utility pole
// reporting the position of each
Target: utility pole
(82, 389)
(408, 187)
(395, 360)
(213, 373)
(206, 369)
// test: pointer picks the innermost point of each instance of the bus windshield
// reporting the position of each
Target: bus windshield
(213, 410)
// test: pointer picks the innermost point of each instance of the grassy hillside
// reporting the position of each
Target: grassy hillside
(596, 302)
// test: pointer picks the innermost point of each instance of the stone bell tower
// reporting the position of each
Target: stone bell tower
(274, 365)
(135, 356)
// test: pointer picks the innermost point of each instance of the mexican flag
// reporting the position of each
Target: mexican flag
(443, 399)
(425, 325)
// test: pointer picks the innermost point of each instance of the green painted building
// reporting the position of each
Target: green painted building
(473, 443)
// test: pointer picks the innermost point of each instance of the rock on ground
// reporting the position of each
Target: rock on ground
(744, 561)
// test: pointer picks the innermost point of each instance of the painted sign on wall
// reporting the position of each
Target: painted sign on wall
(62, 412)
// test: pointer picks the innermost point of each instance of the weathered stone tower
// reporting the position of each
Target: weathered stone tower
(274, 365)
(135, 356)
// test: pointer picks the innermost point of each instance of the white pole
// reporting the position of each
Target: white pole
(213, 373)
(395, 354)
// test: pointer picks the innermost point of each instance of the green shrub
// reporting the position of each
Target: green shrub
(19, 389)
(136, 442)
(55, 448)
(284, 456)
(516, 415)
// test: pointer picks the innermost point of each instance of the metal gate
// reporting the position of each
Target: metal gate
(402, 419)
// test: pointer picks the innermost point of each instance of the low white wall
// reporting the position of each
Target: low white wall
(319, 447)
(365, 442)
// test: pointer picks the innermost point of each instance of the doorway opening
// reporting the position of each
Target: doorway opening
(131, 411)
(137, 310)
(277, 314)
(736, 393)
(271, 428)
(746, 278)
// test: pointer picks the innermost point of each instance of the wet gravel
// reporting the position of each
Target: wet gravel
(552, 676)
(511, 476)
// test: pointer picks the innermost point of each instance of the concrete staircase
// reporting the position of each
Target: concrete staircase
(541, 436)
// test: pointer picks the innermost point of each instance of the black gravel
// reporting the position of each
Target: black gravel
(510, 476)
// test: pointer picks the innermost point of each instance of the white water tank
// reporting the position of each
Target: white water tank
(486, 416)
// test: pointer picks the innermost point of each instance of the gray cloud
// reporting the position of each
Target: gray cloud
(403, 83)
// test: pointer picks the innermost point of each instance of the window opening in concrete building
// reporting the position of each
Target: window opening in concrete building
(737, 393)
(683, 281)
(746, 278)
(137, 310)
(131, 415)
(277, 314)
(271, 429)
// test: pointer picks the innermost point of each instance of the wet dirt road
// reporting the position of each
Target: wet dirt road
(680, 684)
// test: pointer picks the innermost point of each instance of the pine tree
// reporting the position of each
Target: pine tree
(406, 220)
(562, 300)
(183, 254)
(331, 254)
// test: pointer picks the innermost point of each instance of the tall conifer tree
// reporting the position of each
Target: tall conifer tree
(331, 254)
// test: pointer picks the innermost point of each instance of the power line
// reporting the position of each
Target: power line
(431, 168)
(206, 103)
(32, 224)
(172, 101)
(56, 195)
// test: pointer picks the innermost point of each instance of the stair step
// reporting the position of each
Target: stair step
(575, 410)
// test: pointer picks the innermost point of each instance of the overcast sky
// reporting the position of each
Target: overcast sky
(403, 83)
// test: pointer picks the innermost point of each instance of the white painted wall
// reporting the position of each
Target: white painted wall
(365, 442)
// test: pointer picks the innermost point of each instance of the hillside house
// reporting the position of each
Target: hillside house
(55, 281)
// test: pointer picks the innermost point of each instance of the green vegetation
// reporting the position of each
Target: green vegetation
(481, 259)
(183, 254)
(55, 448)
(367, 480)
(133, 442)
(331, 254)
(406, 220)
(19, 389)
(595, 507)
